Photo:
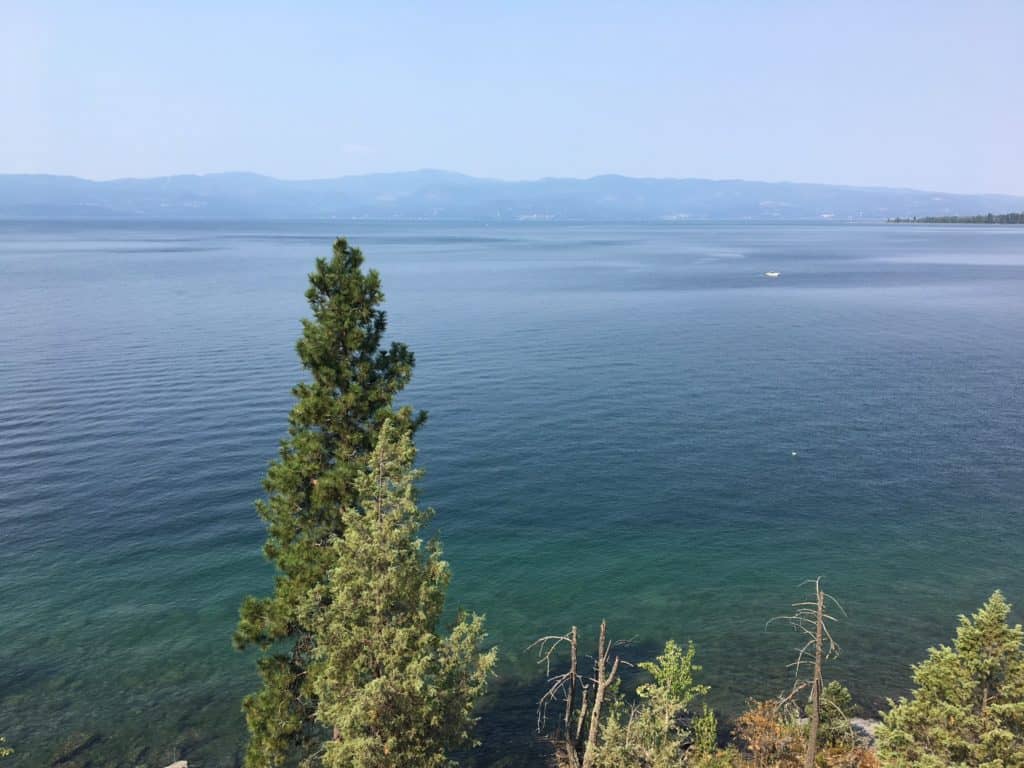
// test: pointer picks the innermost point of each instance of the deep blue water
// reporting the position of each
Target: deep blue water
(614, 411)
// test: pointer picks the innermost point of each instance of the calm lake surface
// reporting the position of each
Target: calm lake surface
(626, 421)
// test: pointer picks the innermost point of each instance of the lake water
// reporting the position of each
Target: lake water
(626, 421)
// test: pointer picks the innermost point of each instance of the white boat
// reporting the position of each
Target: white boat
(772, 274)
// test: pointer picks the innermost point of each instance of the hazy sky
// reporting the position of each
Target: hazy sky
(926, 94)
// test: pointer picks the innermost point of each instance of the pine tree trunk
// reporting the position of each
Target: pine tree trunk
(571, 744)
(581, 719)
(603, 681)
(570, 699)
(814, 716)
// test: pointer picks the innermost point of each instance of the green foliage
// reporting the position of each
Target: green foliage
(705, 731)
(728, 757)
(658, 732)
(394, 690)
(836, 711)
(332, 429)
(968, 706)
(673, 687)
(4, 750)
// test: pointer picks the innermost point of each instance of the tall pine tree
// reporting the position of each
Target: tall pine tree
(395, 692)
(333, 428)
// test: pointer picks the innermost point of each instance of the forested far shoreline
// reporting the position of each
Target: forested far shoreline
(988, 218)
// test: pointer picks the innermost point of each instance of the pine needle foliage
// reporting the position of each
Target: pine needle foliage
(394, 691)
(968, 706)
(836, 711)
(332, 429)
(659, 732)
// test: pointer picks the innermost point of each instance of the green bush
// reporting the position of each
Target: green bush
(657, 731)
(968, 706)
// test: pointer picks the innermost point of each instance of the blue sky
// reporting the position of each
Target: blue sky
(927, 95)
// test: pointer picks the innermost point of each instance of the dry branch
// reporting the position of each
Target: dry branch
(811, 619)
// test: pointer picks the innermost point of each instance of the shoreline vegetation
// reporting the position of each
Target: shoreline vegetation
(358, 672)
(988, 218)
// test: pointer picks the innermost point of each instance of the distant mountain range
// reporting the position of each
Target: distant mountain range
(443, 195)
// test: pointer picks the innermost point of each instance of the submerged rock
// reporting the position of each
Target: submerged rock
(73, 747)
(865, 730)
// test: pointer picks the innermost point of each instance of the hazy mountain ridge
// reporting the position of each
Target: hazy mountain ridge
(432, 194)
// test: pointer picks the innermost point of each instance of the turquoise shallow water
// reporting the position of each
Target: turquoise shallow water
(613, 415)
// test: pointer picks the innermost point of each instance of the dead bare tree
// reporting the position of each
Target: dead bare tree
(602, 681)
(811, 619)
(580, 695)
(562, 687)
